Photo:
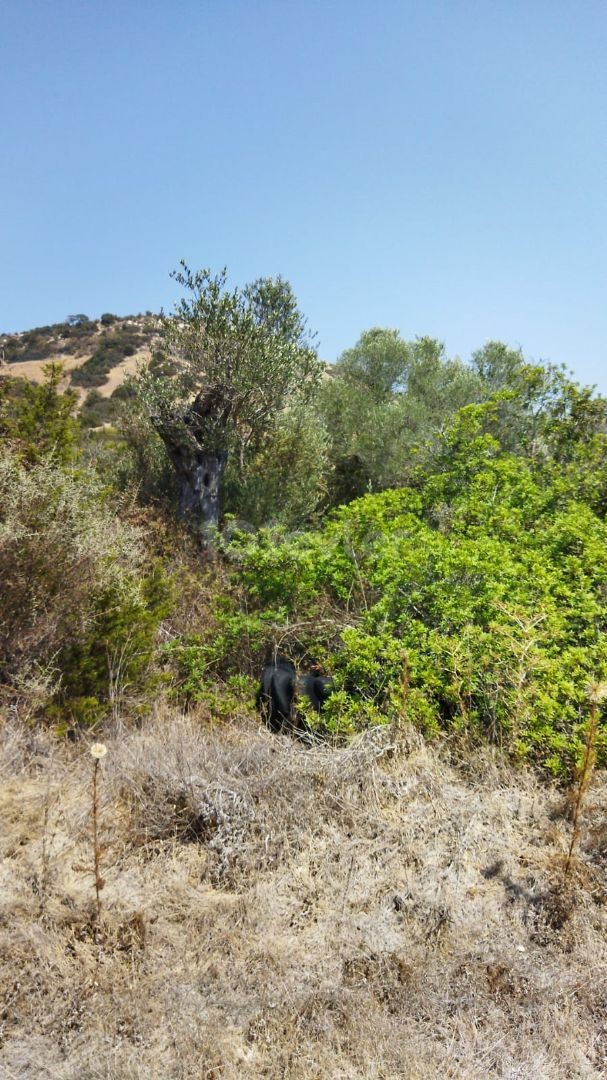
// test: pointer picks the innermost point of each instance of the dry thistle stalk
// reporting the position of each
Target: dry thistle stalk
(97, 751)
(597, 692)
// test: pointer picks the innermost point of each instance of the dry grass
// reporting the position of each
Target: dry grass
(117, 375)
(33, 370)
(277, 911)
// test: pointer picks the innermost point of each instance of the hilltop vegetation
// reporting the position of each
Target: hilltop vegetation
(431, 533)
(95, 357)
(78, 336)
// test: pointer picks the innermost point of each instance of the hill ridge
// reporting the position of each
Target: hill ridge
(97, 354)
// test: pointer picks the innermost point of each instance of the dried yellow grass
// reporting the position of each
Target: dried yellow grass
(117, 375)
(33, 370)
(277, 911)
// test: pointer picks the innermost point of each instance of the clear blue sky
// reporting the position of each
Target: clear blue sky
(437, 166)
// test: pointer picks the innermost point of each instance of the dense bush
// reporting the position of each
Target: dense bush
(79, 604)
(97, 410)
(477, 603)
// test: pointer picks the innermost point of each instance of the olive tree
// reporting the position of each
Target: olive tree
(237, 360)
(387, 397)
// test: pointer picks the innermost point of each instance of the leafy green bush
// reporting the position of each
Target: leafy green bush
(190, 661)
(115, 651)
(98, 410)
(477, 603)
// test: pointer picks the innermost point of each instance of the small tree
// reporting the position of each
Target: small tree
(386, 397)
(378, 364)
(240, 359)
(38, 419)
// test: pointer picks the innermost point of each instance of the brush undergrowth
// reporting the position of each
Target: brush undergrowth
(487, 584)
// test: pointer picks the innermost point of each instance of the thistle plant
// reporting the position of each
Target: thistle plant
(97, 751)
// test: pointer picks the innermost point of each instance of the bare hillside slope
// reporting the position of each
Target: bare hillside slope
(97, 355)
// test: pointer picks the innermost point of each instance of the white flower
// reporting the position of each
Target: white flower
(98, 750)
(597, 692)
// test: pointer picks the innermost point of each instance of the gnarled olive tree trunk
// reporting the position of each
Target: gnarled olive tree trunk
(199, 475)
(192, 439)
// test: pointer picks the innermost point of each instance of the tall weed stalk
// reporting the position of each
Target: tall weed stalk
(596, 694)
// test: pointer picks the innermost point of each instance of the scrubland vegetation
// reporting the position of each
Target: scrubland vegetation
(418, 888)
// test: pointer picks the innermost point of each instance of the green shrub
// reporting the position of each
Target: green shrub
(477, 603)
(98, 410)
(115, 651)
(37, 420)
(124, 392)
(77, 598)
(190, 661)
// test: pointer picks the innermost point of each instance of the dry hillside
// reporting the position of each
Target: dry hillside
(96, 355)
(388, 910)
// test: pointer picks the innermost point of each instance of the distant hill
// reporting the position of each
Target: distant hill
(97, 355)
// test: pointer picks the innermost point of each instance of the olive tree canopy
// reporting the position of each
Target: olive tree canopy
(237, 359)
